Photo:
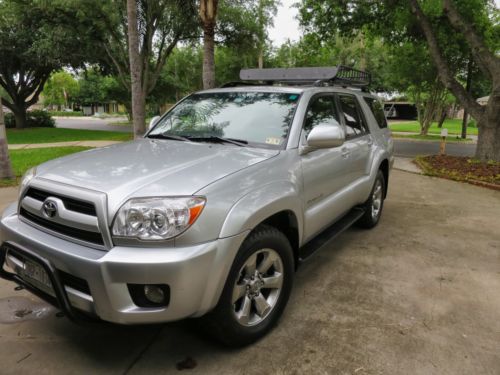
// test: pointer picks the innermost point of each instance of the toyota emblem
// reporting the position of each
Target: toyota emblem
(49, 208)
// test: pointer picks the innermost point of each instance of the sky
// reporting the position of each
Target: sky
(286, 25)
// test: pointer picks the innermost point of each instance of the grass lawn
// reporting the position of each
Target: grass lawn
(432, 137)
(49, 135)
(454, 127)
(22, 160)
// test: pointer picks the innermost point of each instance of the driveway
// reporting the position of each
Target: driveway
(92, 123)
(416, 295)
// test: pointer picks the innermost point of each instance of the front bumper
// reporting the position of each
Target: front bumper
(194, 274)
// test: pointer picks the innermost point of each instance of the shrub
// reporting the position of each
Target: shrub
(34, 119)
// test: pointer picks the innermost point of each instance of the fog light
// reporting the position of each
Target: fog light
(154, 294)
(150, 295)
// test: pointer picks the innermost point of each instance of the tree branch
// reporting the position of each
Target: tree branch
(486, 60)
(6, 102)
(161, 63)
(444, 71)
(38, 90)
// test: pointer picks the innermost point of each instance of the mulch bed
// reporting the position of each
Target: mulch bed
(458, 168)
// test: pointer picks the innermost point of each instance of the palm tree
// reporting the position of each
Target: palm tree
(208, 17)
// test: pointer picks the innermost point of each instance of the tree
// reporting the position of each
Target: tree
(453, 30)
(160, 26)
(412, 72)
(5, 164)
(488, 117)
(138, 94)
(266, 10)
(208, 17)
(60, 89)
(34, 42)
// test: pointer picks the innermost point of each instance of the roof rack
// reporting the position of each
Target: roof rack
(317, 76)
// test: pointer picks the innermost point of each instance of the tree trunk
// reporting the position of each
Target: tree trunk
(138, 95)
(442, 117)
(20, 115)
(208, 17)
(468, 88)
(5, 164)
(208, 56)
(261, 59)
(488, 143)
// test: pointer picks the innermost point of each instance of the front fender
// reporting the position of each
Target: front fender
(258, 205)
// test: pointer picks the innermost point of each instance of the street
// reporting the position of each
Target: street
(416, 295)
(91, 123)
(410, 148)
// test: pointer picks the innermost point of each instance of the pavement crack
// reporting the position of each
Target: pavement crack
(25, 357)
(142, 352)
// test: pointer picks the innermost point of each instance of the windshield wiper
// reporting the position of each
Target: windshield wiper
(168, 136)
(214, 138)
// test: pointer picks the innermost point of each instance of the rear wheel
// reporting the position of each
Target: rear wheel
(374, 205)
(256, 291)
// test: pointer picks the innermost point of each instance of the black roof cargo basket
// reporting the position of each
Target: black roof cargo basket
(318, 76)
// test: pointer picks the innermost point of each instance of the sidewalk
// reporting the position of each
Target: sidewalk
(406, 165)
(63, 144)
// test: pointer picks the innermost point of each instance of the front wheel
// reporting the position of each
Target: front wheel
(374, 205)
(256, 291)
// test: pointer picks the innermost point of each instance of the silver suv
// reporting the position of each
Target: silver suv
(212, 211)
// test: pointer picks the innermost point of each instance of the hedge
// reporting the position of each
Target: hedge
(34, 119)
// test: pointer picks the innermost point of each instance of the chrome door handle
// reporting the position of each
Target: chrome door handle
(370, 141)
(345, 152)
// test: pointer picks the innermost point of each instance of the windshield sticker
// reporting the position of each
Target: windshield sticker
(273, 141)
(293, 97)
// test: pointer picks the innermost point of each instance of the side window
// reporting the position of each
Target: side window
(378, 111)
(353, 121)
(321, 111)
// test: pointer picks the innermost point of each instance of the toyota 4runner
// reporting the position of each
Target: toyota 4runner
(212, 211)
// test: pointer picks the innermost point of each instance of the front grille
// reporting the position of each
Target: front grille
(92, 237)
(76, 205)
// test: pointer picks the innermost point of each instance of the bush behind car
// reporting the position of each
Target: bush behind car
(34, 119)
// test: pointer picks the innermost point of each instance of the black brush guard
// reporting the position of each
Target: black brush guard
(60, 300)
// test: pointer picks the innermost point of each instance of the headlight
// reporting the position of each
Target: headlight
(27, 177)
(157, 218)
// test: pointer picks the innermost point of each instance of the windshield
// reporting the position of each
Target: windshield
(259, 119)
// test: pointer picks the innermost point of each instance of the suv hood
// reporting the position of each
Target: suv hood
(150, 167)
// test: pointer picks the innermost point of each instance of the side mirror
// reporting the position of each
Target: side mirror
(326, 136)
(153, 121)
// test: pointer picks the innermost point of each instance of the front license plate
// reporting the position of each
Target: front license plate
(36, 275)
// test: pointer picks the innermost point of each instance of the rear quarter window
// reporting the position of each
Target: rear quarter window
(377, 110)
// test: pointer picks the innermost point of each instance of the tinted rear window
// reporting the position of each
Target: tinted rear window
(378, 111)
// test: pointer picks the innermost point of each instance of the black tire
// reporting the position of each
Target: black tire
(369, 219)
(222, 323)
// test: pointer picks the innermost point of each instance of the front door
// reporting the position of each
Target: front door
(325, 171)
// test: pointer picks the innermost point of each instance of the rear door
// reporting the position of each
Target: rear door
(359, 141)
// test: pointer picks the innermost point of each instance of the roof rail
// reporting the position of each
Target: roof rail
(318, 76)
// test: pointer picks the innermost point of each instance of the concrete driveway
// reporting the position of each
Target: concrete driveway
(419, 294)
